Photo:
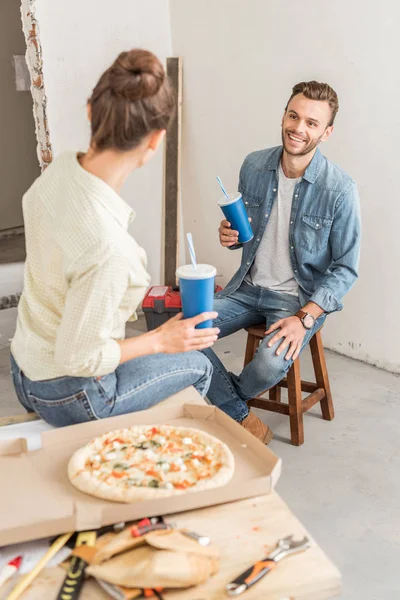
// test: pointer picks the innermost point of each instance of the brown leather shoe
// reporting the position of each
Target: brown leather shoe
(257, 428)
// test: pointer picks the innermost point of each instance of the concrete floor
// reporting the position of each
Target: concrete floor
(343, 483)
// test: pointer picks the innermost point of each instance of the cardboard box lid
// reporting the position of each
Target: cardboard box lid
(39, 500)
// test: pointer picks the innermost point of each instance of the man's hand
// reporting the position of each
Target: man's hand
(292, 331)
(227, 235)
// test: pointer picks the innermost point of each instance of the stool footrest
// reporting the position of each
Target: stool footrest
(282, 407)
(313, 399)
(306, 386)
(266, 404)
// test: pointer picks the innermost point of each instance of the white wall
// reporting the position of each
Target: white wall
(240, 61)
(79, 40)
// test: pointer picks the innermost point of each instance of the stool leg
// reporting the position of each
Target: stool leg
(295, 404)
(321, 376)
(251, 347)
(275, 393)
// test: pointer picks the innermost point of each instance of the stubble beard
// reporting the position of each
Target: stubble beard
(307, 149)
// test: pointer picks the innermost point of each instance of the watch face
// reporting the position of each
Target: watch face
(308, 321)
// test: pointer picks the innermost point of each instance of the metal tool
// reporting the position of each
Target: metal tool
(148, 525)
(203, 540)
(284, 547)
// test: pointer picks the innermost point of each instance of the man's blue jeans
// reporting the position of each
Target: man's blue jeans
(247, 306)
(135, 385)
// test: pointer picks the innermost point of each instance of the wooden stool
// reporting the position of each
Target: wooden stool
(318, 392)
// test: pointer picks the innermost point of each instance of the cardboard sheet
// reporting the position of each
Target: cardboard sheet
(39, 501)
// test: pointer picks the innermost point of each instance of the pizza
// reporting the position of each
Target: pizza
(148, 462)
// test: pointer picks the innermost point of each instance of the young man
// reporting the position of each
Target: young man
(304, 255)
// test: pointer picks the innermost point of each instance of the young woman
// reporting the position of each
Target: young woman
(85, 275)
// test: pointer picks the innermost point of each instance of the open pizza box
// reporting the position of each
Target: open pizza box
(37, 499)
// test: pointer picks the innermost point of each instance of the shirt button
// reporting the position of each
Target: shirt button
(246, 202)
(291, 222)
(295, 270)
(258, 239)
(291, 247)
(274, 190)
(266, 214)
(317, 226)
(248, 263)
(296, 195)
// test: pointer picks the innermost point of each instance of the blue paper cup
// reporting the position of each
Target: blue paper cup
(235, 212)
(197, 291)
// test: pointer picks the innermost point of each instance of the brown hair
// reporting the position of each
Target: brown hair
(313, 90)
(132, 98)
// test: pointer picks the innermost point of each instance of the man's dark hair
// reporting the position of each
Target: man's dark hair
(313, 90)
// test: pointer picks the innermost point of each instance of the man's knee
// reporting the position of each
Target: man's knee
(222, 308)
(268, 366)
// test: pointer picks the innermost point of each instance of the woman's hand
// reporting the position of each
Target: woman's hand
(181, 335)
(176, 335)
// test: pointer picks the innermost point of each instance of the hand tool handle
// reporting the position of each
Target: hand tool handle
(250, 577)
(29, 577)
(73, 581)
(71, 588)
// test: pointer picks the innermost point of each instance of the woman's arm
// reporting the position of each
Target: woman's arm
(84, 346)
(176, 335)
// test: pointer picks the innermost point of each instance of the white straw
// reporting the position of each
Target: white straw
(191, 250)
(222, 187)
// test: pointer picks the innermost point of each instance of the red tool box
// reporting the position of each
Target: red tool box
(161, 303)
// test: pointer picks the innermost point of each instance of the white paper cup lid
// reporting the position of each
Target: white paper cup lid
(224, 201)
(202, 272)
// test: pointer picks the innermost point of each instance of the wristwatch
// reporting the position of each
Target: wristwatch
(307, 319)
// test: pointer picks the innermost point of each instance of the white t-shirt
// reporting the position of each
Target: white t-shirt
(272, 267)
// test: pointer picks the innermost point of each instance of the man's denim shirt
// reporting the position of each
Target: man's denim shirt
(325, 226)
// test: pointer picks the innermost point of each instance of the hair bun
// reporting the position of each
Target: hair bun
(136, 75)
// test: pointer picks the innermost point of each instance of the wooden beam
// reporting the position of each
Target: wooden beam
(306, 386)
(14, 419)
(265, 404)
(313, 399)
(172, 176)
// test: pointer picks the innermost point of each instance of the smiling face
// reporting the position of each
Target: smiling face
(305, 124)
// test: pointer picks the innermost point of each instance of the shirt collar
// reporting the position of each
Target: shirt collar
(311, 173)
(105, 194)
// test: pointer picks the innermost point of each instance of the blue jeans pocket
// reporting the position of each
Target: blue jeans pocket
(106, 388)
(76, 408)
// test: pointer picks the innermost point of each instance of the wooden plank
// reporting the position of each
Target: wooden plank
(275, 394)
(306, 386)
(14, 419)
(313, 399)
(321, 375)
(172, 177)
(295, 401)
(245, 532)
(271, 405)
